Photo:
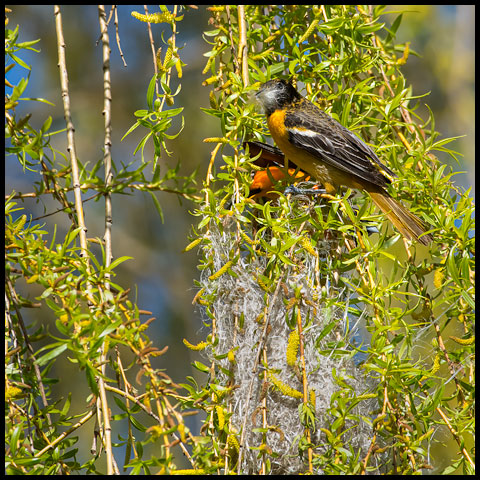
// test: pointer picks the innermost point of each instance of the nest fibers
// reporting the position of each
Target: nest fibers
(239, 304)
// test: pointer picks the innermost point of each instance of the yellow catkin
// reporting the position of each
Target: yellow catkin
(191, 471)
(215, 140)
(284, 388)
(308, 32)
(226, 85)
(156, 432)
(165, 17)
(193, 244)
(406, 52)
(181, 431)
(231, 356)
(272, 37)
(219, 9)
(380, 417)
(262, 284)
(220, 416)
(436, 364)
(208, 64)
(213, 100)
(19, 225)
(196, 348)
(435, 367)
(210, 80)
(221, 271)
(13, 393)
(233, 447)
(464, 341)
(438, 277)
(168, 57)
(247, 238)
(291, 303)
(292, 347)
(312, 398)
(263, 54)
(366, 396)
(307, 245)
(178, 66)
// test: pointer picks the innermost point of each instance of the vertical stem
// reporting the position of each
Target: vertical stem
(62, 65)
(107, 156)
(107, 159)
(242, 44)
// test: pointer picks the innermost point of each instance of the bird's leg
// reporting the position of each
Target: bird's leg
(293, 190)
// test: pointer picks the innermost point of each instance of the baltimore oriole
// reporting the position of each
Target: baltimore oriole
(264, 180)
(329, 152)
(272, 160)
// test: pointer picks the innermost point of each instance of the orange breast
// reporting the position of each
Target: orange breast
(330, 176)
(276, 125)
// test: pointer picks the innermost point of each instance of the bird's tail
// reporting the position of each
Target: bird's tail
(409, 225)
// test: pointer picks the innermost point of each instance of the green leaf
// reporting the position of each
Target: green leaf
(120, 404)
(466, 296)
(91, 378)
(157, 205)
(201, 367)
(46, 125)
(66, 407)
(452, 266)
(131, 129)
(118, 261)
(14, 440)
(393, 29)
(150, 92)
(54, 353)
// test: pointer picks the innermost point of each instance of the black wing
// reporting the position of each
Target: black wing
(323, 137)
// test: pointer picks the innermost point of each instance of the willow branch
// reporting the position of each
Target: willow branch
(62, 65)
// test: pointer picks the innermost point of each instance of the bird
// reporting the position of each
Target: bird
(332, 154)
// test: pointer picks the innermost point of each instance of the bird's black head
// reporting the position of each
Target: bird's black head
(275, 94)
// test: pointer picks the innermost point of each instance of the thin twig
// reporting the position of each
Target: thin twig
(456, 437)
(65, 434)
(172, 45)
(11, 295)
(154, 53)
(113, 186)
(117, 35)
(236, 65)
